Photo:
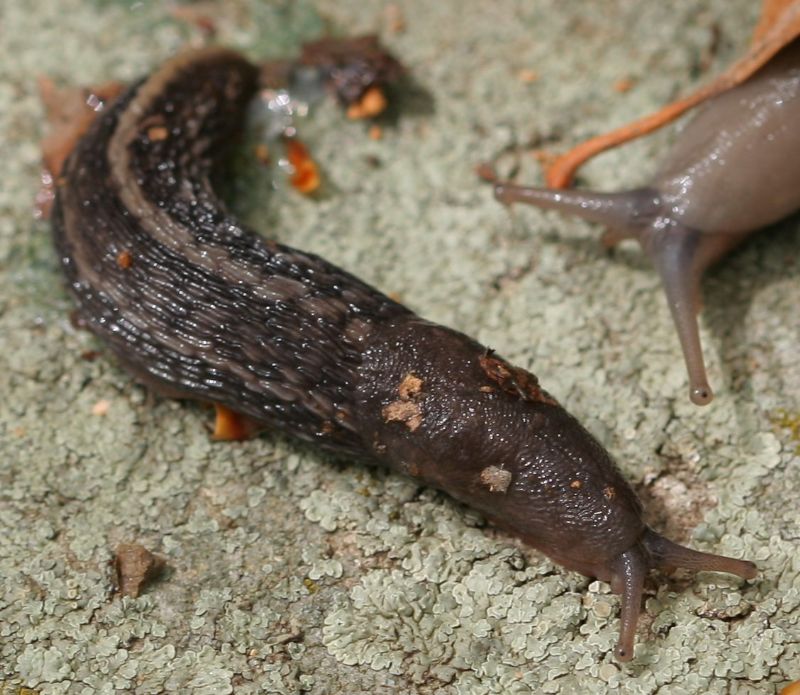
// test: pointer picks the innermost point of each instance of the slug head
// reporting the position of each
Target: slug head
(444, 410)
(628, 572)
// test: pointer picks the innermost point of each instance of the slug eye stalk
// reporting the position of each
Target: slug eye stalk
(656, 552)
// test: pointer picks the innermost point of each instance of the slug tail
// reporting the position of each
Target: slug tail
(627, 579)
(626, 213)
(667, 555)
(674, 252)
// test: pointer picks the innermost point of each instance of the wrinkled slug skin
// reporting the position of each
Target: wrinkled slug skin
(204, 308)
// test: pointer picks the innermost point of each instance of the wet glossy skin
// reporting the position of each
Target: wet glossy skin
(733, 170)
(204, 308)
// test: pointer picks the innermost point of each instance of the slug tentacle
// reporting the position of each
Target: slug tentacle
(673, 251)
(680, 256)
(629, 572)
(627, 213)
(667, 556)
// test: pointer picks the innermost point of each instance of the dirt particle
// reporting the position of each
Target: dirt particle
(305, 173)
(624, 85)
(513, 380)
(135, 566)
(410, 386)
(576, 484)
(406, 412)
(327, 427)
(157, 133)
(124, 259)
(101, 408)
(261, 152)
(230, 426)
(609, 492)
(496, 479)
(371, 104)
(405, 409)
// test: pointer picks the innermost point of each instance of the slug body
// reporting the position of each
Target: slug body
(734, 169)
(203, 308)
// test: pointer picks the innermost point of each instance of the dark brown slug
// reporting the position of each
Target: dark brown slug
(204, 308)
(734, 169)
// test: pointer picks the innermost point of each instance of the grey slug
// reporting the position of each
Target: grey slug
(204, 308)
(734, 169)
